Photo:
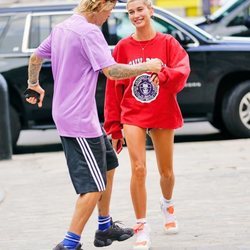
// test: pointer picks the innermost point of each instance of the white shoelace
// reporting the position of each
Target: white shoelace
(142, 232)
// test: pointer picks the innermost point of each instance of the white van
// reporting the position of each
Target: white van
(232, 19)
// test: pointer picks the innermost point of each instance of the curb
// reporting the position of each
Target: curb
(1, 195)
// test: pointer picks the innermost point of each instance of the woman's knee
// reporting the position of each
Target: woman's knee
(139, 171)
(167, 174)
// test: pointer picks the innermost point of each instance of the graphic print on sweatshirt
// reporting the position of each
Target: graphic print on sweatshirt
(143, 89)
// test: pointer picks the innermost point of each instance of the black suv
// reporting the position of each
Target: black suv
(218, 89)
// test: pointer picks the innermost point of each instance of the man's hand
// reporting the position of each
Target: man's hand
(33, 100)
(154, 65)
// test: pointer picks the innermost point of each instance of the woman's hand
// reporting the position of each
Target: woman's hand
(155, 79)
(118, 144)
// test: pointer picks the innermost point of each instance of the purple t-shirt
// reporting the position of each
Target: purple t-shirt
(78, 51)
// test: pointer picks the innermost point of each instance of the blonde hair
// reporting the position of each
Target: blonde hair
(94, 6)
(148, 3)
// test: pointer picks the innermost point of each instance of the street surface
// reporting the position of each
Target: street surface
(212, 198)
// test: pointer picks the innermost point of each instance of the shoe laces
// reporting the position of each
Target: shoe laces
(115, 224)
(142, 232)
(138, 227)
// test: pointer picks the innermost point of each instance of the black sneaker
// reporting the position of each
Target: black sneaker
(61, 247)
(113, 233)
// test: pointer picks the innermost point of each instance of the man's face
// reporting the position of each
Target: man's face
(104, 14)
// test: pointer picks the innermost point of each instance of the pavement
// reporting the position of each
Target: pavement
(1, 195)
(212, 197)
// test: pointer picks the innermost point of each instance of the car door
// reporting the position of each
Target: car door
(13, 62)
(39, 27)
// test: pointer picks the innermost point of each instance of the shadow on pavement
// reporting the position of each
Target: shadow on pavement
(29, 149)
(202, 137)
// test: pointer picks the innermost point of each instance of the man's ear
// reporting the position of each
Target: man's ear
(151, 12)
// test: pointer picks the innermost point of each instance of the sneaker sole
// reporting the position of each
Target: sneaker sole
(147, 247)
(171, 231)
(108, 242)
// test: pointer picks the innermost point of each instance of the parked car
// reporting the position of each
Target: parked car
(218, 89)
(232, 19)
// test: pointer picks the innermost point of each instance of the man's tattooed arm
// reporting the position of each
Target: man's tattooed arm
(124, 71)
(35, 64)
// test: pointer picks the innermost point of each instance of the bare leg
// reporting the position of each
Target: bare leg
(83, 210)
(104, 202)
(136, 140)
(163, 140)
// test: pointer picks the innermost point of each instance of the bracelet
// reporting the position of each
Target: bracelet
(33, 84)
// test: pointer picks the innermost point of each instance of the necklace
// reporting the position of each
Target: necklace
(143, 48)
(144, 43)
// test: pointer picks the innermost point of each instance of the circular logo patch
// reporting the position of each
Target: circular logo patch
(143, 89)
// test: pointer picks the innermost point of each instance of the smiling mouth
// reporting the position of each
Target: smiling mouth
(138, 21)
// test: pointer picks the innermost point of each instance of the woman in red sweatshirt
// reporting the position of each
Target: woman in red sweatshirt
(144, 104)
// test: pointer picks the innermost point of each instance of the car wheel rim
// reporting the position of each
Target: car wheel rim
(244, 110)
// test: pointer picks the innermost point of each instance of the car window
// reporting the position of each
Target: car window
(168, 28)
(12, 35)
(3, 23)
(41, 27)
(241, 18)
(119, 26)
(225, 10)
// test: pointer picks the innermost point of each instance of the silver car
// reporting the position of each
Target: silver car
(232, 19)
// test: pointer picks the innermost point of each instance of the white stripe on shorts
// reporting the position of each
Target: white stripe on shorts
(92, 164)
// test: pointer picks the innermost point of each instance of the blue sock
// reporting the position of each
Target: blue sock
(104, 222)
(71, 240)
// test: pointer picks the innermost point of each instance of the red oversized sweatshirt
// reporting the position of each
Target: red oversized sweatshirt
(136, 101)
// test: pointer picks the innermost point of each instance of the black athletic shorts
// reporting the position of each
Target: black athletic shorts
(88, 159)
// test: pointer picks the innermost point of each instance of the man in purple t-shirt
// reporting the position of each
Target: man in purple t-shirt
(78, 52)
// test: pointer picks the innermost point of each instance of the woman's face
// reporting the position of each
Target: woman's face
(139, 13)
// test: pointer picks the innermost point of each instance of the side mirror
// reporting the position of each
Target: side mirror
(208, 19)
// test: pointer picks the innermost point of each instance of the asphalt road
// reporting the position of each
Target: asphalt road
(212, 197)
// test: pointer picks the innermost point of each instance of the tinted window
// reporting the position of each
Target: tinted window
(3, 23)
(227, 9)
(41, 27)
(12, 34)
(241, 18)
(117, 27)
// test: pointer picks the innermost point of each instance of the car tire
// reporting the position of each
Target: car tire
(236, 110)
(15, 126)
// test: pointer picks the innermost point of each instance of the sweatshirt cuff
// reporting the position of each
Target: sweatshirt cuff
(162, 77)
(117, 135)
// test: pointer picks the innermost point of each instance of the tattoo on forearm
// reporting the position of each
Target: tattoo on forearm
(35, 65)
(123, 71)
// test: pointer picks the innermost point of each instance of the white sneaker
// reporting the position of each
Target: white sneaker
(142, 231)
(169, 221)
